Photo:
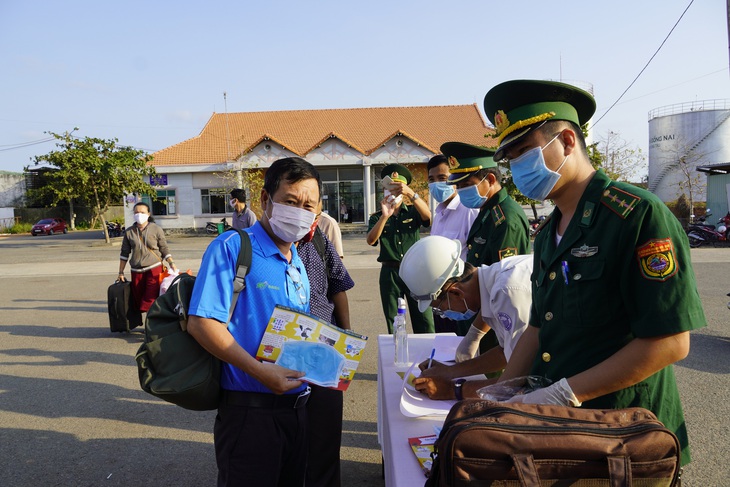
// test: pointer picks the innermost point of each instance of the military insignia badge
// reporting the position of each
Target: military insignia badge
(656, 259)
(620, 202)
(498, 215)
(508, 252)
(479, 241)
(584, 251)
(453, 162)
(501, 122)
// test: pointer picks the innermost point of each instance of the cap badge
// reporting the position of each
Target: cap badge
(453, 162)
(501, 122)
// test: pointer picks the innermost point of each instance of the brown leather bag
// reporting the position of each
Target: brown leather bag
(486, 443)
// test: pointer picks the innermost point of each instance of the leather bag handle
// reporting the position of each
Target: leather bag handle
(619, 470)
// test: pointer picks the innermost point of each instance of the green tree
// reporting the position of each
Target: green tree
(97, 172)
(620, 160)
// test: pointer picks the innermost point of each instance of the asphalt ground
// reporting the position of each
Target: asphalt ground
(72, 412)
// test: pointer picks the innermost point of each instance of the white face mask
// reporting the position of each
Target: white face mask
(290, 223)
(232, 203)
(141, 218)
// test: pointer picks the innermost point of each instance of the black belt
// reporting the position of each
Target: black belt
(268, 401)
(391, 263)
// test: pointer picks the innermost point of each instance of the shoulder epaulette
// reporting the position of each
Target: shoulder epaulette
(497, 215)
(620, 202)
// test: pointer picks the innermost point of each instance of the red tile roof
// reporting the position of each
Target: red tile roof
(301, 131)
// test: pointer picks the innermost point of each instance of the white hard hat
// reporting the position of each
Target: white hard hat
(427, 265)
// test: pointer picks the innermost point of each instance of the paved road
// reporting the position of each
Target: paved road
(72, 413)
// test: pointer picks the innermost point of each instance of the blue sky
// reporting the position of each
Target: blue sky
(152, 73)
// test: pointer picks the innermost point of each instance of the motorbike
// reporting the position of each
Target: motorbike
(114, 229)
(211, 228)
(700, 232)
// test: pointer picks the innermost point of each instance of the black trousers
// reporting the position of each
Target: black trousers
(261, 442)
(324, 411)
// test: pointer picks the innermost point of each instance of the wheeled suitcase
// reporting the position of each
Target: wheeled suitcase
(122, 314)
(488, 443)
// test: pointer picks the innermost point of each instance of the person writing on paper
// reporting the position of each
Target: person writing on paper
(499, 293)
(261, 424)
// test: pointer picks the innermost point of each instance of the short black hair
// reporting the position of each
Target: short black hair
(239, 194)
(291, 170)
(436, 160)
(551, 125)
(482, 173)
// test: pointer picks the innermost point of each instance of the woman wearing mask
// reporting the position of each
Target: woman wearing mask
(145, 248)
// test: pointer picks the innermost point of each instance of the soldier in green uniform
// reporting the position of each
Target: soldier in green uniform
(396, 226)
(500, 229)
(614, 293)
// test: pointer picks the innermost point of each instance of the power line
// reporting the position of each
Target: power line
(646, 65)
(4, 148)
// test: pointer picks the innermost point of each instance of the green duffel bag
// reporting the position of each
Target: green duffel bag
(171, 364)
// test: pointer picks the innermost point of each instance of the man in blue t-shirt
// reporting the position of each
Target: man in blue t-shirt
(260, 431)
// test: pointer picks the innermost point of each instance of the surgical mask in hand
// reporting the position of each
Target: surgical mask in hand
(141, 218)
(321, 364)
(441, 191)
(392, 200)
(470, 196)
(290, 223)
(531, 176)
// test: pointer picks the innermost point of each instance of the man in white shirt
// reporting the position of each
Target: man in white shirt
(500, 295)
(451, 219)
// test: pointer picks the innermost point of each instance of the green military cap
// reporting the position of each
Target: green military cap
(465, 159)
(404, 174)
(516, 107)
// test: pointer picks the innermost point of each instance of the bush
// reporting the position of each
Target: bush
(20, 228)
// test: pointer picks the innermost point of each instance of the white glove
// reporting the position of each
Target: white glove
(559, 393)
(469, 346)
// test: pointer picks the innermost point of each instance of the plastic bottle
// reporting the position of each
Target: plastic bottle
(401, 335)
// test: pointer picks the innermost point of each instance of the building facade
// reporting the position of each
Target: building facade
(348, 146)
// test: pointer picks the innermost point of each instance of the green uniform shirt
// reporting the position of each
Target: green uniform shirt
(399, 233)
(621, 271)
(500, 230)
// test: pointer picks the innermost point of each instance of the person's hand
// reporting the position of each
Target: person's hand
(277, 378)
(439, 388)
(120, 277)
(437, 368)
(386, 208)
(559, 394)
(173, 267)
(469, 346)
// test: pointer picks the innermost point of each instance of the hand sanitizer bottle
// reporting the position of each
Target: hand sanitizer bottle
(401, 335)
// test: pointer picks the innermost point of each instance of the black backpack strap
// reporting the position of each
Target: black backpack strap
(321, 246)
(243, 266)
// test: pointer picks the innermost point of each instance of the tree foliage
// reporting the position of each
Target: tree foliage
(96, 172)
(621, 160)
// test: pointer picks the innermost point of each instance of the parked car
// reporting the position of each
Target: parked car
(49, 226)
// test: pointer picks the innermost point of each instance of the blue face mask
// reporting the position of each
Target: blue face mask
(441, 191)
(531, 176)
(456, 315)
(470, 196)
(321, 363)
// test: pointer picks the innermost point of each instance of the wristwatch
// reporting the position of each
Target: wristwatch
(458, 392)
(415, 196)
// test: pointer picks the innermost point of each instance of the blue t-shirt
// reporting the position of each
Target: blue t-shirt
(271, 281)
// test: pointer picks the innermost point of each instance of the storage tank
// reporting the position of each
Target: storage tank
(697, 133)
